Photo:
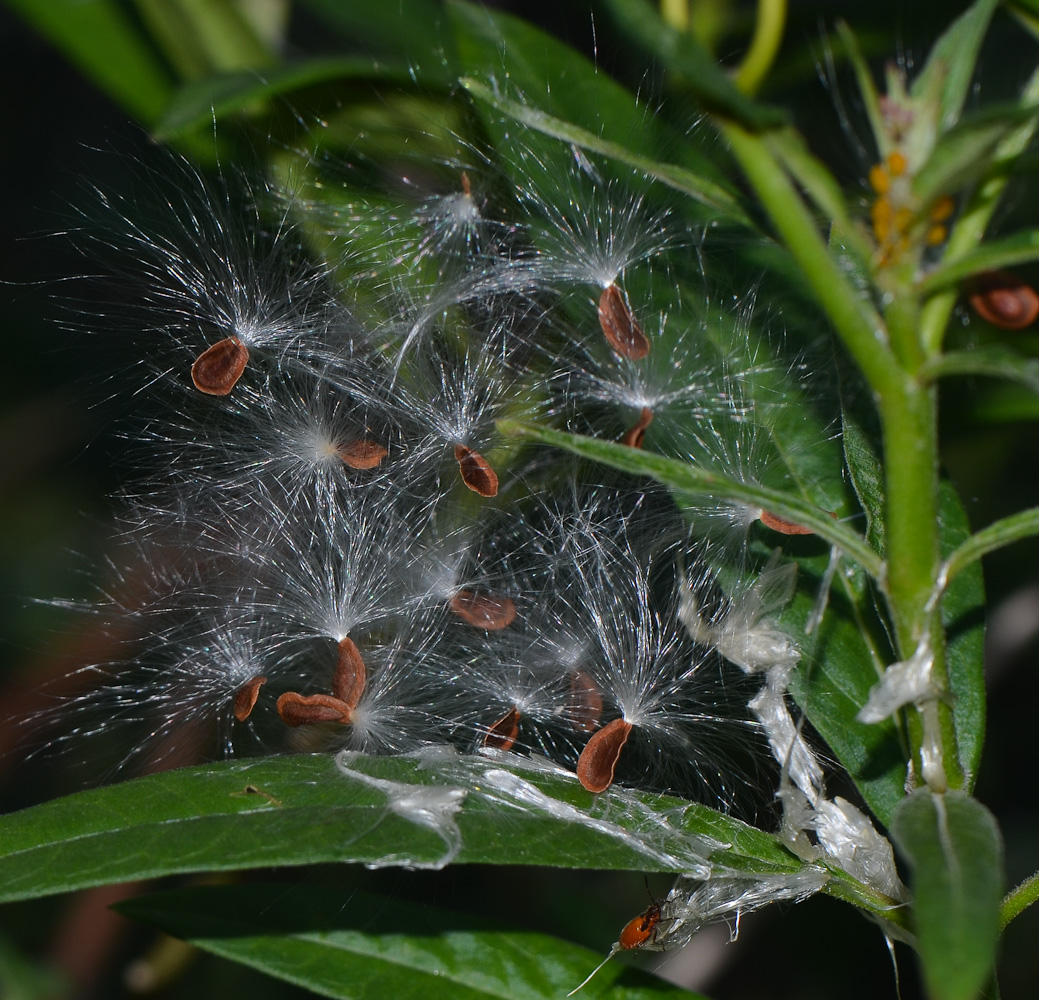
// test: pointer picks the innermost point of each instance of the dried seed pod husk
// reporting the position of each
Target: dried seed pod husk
(361, 453)
(620, 327)
(636, 434)
(504, 733)
(584, 706)
(476, 473)
(485, 611)
(598, 760)
(217, 369)
(1004, 300)
(306, 709)
(245, 698)
(782, 525)
(350, 676)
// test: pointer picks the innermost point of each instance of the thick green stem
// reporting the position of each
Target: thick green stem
(768, 34)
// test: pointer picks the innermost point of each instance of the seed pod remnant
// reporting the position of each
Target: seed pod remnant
(485, 611)
(636, 434)
(619, 325)
(245, 698)
(298, 709)
(476, 473)
(504, 733)
(361, 453)
(218, 368)
(783, 526)
(1004, 300)
(598, 760)
(350, 676)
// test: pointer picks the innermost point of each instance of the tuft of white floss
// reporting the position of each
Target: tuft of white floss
(907, 682)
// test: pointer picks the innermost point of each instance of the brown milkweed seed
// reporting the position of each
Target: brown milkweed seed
(1004, 300)
(485, 611)
(218, 368)
(245, 698)
(350, 675)
(584, 706)
(304, 709)
(635, 435)
(621, 328)
(361, 453)
(476, 473)
(599, 757)
(784, 526)
(503, 734)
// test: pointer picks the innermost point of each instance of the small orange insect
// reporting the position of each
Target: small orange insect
(640, 929)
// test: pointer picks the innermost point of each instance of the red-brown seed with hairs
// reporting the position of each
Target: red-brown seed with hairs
(476, 473)
(361, 453)
(485, 611)
(584, 706)
(245, 698)
(350, 676)
(598, 760)
(1004, 300)
(782, 525)
(305, 709)
(218, 368)
(504, 733)
(620, 327)
(636, 434)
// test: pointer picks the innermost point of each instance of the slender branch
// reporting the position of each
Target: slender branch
(858, 324)
(1018, 900)
(699, 482)
(1023, 524)
(768, 34)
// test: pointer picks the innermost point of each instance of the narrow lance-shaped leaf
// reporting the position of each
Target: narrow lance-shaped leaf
(955, 851)
(372, 946)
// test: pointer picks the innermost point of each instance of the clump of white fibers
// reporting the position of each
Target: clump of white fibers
(347, 555)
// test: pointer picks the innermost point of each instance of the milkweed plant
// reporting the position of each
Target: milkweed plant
(523, 469)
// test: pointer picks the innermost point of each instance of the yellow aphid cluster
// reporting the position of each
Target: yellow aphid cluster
(895, 212)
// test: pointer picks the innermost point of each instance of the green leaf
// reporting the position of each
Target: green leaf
(196, 104)
(302, 810)
(409, 29)
(1018, 248)
(965, 153)
(991, 362)
(103, 42)
(686, 478)
(369, 946)
(963, 615)
(952, 60)
(867, 87)
(955, 851)
(714, 195)
(684, 56)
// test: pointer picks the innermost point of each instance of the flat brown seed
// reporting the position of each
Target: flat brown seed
(218, 368)
(784, 526)
(635, 435)
(361, 453)
(476, 473)
(599, 757)
(1004, 300)
(584, 706)
(350, 675)
(621, 328)
(485, 611)
(245, 698)
(503, 734)
(305, 709)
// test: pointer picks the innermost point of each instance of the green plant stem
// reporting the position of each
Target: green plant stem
(1018, 900)
(1023, 524)
(858, 324)
(768, 35)
(675, 13)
